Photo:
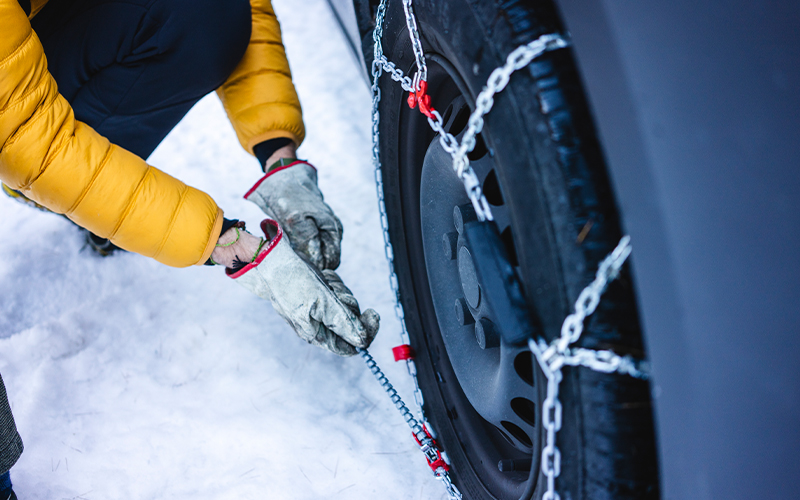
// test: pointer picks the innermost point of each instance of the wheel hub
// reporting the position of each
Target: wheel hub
(484, 366)
(490, 393)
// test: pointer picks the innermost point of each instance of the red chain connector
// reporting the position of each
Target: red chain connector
(439, 463)
(403, 352)
(422, 98)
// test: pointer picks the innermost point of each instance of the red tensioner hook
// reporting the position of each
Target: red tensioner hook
(422, 98)
(439, 462)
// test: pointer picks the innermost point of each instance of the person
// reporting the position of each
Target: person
(89, 88)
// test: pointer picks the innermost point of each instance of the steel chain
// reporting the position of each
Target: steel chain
(424, 439)
(497, 81)
(380, 64)
(551, 358)
(416, 44)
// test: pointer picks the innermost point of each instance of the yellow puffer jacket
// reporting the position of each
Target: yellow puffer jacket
(66, 166)
(259, 96)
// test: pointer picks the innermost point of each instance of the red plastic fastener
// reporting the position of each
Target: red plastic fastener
(439, 463)
(403, 352)
(422, 98)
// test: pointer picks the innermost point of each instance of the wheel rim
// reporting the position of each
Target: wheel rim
(498, 394)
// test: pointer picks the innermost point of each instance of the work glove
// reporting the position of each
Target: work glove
(289, 194)
(317, 305)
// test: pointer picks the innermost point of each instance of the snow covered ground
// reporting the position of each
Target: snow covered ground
(132, 380)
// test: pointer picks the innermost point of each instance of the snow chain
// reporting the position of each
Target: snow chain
(551, 358)
(436, 458)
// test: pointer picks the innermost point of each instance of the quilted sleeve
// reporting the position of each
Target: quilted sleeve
(68, 167)
(259, 96)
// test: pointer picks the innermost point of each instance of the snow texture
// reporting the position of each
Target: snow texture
(132, 380)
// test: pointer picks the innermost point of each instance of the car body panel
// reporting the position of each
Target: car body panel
(345, 16)
(697, 108)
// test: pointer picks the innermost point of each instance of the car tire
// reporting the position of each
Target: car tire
(542, 169)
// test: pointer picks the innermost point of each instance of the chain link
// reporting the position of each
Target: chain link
(416, 44)
(413, 423)
(421, 431)
(551, 358)
(379, 65)
(607, 362)
(377, 68)
(498, 80)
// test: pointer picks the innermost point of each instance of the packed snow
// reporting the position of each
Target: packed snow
(132, 380)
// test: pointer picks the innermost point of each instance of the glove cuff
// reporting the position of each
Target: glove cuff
(275, 171)
(272, 230)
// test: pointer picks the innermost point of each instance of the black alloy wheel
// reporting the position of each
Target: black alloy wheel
(542, 171)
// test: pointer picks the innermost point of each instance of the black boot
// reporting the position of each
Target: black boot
(100, 245)
(6, 493)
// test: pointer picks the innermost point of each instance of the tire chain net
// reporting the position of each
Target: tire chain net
(550, 357)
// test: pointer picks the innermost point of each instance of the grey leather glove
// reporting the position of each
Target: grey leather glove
(289, 194)
(317, 305)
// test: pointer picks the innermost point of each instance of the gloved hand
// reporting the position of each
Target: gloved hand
(316, 304)
(289, 194)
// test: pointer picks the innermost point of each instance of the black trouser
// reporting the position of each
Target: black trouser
(10, 442)
(132, 69)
